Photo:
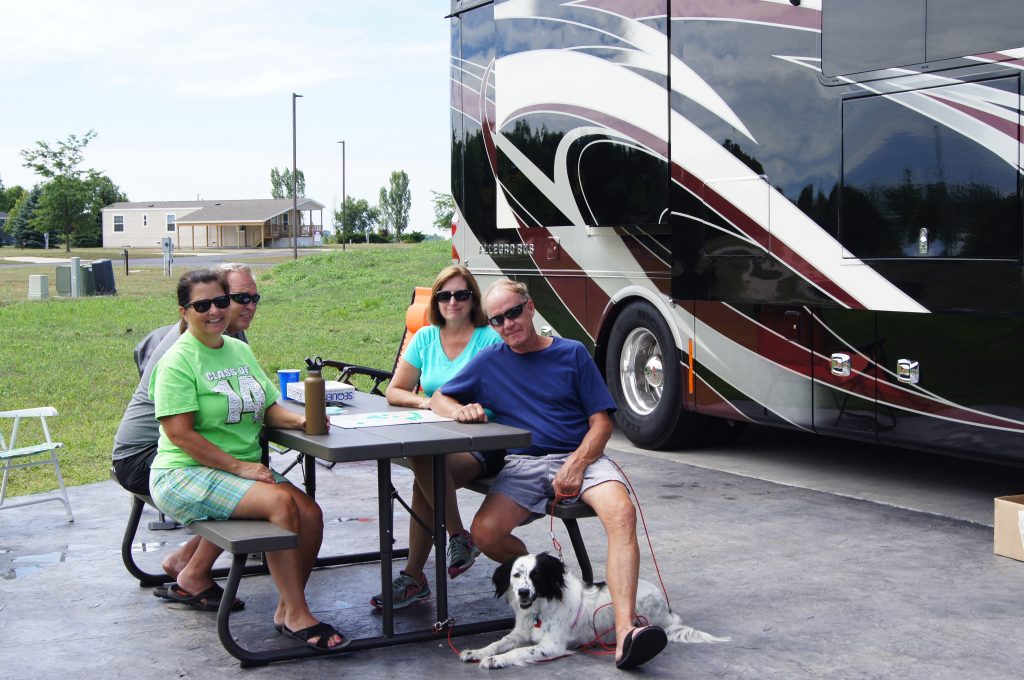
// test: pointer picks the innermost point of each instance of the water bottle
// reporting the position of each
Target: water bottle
(316, 401)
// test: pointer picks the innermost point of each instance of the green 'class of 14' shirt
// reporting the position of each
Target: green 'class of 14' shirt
(225, 388)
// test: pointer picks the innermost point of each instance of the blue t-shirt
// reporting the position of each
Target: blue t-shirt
(552, 392)
(426, 353)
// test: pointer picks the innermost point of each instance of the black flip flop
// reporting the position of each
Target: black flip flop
(212, 595)
(640, 646)
(323, 632)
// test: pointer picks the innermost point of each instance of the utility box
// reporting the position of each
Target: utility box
(103, 273)
(88, 281)
(64, 280)
(38, 287)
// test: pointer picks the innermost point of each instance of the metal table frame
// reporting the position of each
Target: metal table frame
(383, 444)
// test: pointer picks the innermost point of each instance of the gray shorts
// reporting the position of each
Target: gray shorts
(527, 480)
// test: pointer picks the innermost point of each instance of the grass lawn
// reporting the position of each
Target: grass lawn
(76, 355)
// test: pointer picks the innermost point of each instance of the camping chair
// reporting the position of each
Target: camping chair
(44, 453)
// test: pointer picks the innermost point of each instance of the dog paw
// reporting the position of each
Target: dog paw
(490, 662)
(470, 655)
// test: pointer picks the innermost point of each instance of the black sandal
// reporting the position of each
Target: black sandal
(641, 645)
(323, 632)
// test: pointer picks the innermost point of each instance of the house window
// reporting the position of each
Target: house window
(145, 220)
(170, 221)
(285, 216)
(118, 223)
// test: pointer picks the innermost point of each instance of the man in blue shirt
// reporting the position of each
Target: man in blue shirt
(551, 387)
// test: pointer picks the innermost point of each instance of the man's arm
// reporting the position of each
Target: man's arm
(570, 477)
(444, 405)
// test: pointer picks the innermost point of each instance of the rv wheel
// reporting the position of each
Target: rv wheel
(644, 377)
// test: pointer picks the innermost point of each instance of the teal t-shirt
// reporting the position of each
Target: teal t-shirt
(225, 388)
(425, 353)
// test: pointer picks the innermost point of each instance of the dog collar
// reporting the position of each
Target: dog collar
(536, 621)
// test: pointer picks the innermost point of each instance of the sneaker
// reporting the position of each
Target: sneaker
(462, 552)
(404, 592)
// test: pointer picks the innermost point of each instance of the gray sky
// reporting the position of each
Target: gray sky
(194, 97)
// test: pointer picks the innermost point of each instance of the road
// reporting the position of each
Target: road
(950, 487)
(255, 258)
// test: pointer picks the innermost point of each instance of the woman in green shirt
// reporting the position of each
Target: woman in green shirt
(212, 400)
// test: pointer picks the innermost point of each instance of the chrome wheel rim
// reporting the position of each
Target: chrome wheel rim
(641, 373)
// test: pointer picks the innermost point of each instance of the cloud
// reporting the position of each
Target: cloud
(229, 48)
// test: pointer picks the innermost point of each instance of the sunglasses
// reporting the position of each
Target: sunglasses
(203, 306)
(511, 314)
(245, 298)
(444, 296)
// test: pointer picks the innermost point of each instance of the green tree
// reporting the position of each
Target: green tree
(19, 223)
(63, 199)
(444, 211)
(281, 183)
(10, 196)
(62, 208)
(394, 203)
(101, 192)
(356, 220)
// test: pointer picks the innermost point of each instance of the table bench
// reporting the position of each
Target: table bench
(240, 538)
(148, 579)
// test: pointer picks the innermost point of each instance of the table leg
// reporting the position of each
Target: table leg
(309, 465)
(440, 538)
(387, 539)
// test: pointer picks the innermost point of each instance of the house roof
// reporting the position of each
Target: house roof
(208, 212)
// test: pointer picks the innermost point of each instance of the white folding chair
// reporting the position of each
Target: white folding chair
(44, 453)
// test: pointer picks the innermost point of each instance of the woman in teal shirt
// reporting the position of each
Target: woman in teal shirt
(458, 330)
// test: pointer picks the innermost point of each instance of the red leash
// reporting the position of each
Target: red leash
(643, 520)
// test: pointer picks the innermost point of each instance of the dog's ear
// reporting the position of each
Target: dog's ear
(548, 576)
(501, 578)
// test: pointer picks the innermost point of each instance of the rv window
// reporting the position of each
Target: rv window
(870, 35)
(957, 28)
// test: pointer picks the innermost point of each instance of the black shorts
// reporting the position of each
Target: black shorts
(490, 462)
(133, 472)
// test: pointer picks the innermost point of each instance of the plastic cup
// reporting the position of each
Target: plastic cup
(285, 376)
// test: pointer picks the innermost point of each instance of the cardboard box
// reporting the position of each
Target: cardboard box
(1009, 534)
(337, 393)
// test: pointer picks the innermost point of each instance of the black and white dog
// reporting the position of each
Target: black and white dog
(555, 614)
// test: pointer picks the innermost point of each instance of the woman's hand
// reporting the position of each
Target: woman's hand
(255, 471)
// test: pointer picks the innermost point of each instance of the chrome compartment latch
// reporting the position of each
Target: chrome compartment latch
(908, 371)
(840, 364)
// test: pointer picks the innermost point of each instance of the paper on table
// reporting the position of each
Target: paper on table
(354, 420)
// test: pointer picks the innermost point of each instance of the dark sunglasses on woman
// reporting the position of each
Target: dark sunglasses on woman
(444, 296)
(512, 313)
(203, 306)
(245, 298)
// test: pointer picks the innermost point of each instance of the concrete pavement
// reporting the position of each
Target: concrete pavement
(808, 584)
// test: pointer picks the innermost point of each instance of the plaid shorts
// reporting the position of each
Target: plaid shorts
(527, 480)
(190, 494)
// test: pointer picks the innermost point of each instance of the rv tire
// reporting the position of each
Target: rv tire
(644, 375)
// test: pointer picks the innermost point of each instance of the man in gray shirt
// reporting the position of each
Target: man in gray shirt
(136, 439)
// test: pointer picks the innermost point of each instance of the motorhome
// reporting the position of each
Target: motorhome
(800, 213)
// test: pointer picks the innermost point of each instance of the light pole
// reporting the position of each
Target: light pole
(295, 196)
(344, 223)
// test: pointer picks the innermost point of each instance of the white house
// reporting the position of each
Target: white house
(254, 223)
